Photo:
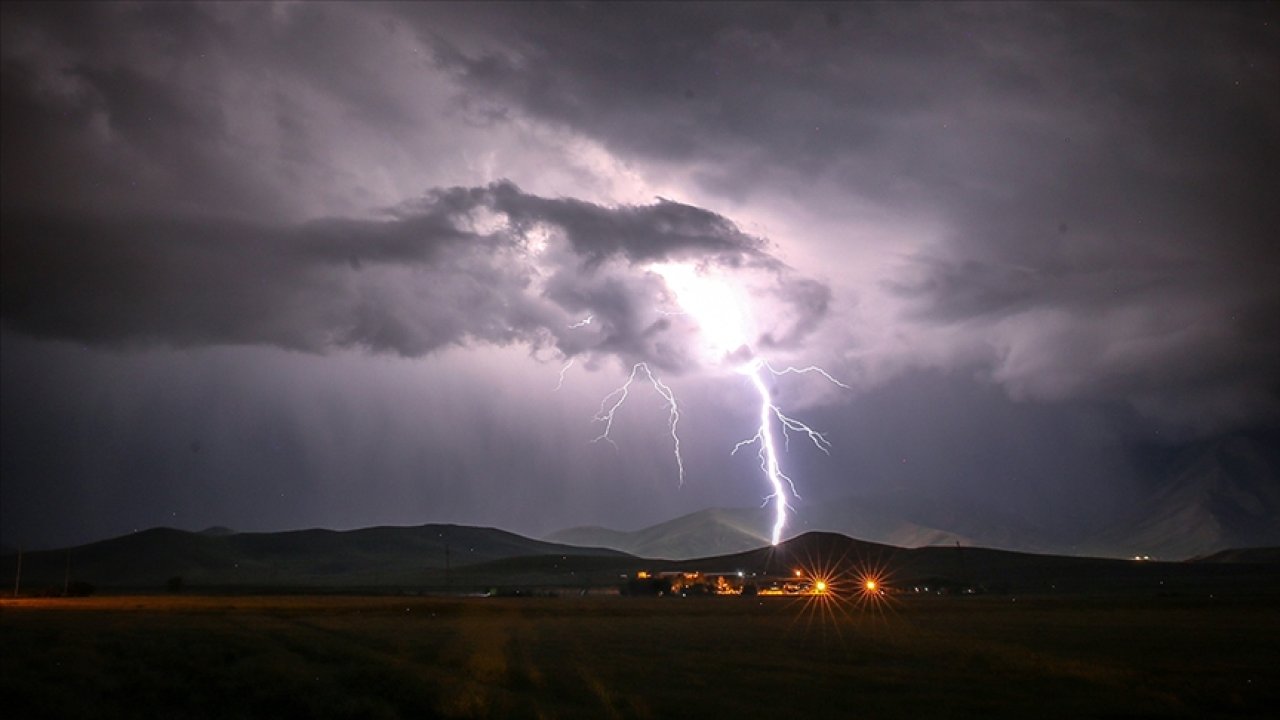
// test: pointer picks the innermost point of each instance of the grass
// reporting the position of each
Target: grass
(389, 657)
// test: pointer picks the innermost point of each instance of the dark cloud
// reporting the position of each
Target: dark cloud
(1063, 203)
(1100, 174)
(202, 108)
(665, 230)
(903, 103)
(462, 265)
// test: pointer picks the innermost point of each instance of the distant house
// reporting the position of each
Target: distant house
(685, 583)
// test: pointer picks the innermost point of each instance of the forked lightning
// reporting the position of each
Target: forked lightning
(719, 314)
(606, 415)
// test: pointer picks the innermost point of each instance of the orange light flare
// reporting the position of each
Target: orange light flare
(824, 606)
(873, 595)
(847, 594)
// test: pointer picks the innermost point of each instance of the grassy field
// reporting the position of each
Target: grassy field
(414, 657)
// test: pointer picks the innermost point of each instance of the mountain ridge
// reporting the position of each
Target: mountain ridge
(698, 534)
(1211, 498)
(310, 557)
(422, 558)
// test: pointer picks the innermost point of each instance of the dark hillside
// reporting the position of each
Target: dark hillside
(303, 558)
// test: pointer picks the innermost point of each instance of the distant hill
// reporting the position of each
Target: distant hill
(1211, 499)
(1211, 496)
(898, 519)
(911, 519)
(1268, 555)
(846, 562)
(371, 556)
(460, 558)
(957, 569)
(700, 534)
(1214, 497)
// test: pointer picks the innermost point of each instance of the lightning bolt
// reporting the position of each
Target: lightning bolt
(768, 443)
(563, 369)
(619, 396)
(801, 371)
(583, 323)
(720, 313)
(765, 436)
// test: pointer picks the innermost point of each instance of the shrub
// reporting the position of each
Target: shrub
(79, 588)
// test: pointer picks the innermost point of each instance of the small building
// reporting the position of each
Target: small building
(685, 583)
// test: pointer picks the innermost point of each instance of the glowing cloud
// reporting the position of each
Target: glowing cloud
(715, 305)
(719, 310)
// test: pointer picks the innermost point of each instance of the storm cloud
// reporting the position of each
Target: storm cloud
(1036, 240)
(1101, 175)
(461, 266)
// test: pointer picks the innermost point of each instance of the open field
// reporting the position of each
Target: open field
(314, 656)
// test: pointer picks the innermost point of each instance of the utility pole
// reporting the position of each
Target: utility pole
(17, 578)
(964, 572)
(66, 579)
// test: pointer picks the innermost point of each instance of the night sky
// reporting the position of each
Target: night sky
(302, 265)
